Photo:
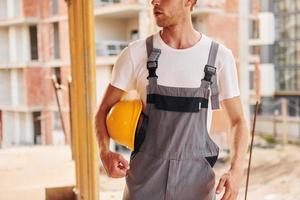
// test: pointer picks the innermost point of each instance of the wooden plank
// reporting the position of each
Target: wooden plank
(60, 193)
(83, 70)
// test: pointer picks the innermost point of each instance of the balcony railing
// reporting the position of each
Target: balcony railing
(110, 48)
(110, 2)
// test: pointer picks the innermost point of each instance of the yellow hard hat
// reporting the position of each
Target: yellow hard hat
(122, 120)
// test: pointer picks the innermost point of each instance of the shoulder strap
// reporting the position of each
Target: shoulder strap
(149, 45)
(152, 62)
(211, 75)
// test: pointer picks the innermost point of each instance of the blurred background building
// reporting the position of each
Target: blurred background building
(34, 48)
(279, 67)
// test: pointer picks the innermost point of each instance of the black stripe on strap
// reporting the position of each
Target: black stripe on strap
(178, 104)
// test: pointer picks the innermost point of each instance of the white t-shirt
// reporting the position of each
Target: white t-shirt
(176, 68)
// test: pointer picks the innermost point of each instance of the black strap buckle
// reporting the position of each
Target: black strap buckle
(152, 66)
(209, 72)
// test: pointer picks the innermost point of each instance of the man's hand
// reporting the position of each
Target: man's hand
(114, 164)
(231, 181)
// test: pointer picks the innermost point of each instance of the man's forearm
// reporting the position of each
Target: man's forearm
(101, 131)
(239, 144)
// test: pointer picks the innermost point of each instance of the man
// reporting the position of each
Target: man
(176, 157)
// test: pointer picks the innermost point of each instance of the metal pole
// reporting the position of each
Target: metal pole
(255, 10)
(251, 147)
(83, 87)
(54, 83)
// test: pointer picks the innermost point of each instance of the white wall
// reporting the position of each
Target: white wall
(267, 127)
(5, 87)
(19, 44)
(12, 43)
(267, 79)
(8, 128)
(17, 128)
(13, 8)
(267, 28)
(3, 45)
(103, 75)
(17, 87)
(110, 29)
(132, 24)
(3, 9)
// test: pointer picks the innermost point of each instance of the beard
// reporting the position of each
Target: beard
(166, 21)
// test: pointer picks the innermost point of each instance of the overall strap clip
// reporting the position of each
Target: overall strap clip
(210, 76)
(152, 62)
(209, 71)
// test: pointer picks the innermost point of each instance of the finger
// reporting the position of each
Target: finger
(226, 195)
(221, 185)
(123, 162)
(118, 172)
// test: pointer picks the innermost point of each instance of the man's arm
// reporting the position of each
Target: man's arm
(239, 130)
(114, 164)
(240, 137)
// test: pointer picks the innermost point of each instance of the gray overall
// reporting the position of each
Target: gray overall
(174, 155)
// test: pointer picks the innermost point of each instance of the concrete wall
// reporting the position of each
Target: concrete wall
(103, 75)
(269, 126)
(4, 45)
(3, 8)
(9, 127)
(132, 24)
(19, 44)
(13, 8)
(267, 83)
(5, 87)
(17, 87)
(114, 29)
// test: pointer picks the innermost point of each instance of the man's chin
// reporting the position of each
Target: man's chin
(159, 24)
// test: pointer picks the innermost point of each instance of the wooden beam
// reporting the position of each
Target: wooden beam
(83, 70)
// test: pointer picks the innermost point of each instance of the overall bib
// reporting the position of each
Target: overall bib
(174, 155)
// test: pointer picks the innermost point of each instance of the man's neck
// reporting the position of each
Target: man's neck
(180, 38)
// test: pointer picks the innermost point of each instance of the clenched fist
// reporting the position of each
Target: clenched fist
(114, 164)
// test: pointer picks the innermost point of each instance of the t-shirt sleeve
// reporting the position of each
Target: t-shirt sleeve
(123, 71)
(227, 76)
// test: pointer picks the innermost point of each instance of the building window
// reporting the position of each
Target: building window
(57, 74)
(251, 80)
(253, 25)
(287, 44)
(56, 122)
(288, 79)
(33, 43)
(268, 106)
(54, 7)
(37, 127)
(266, 54)
(56, 41)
